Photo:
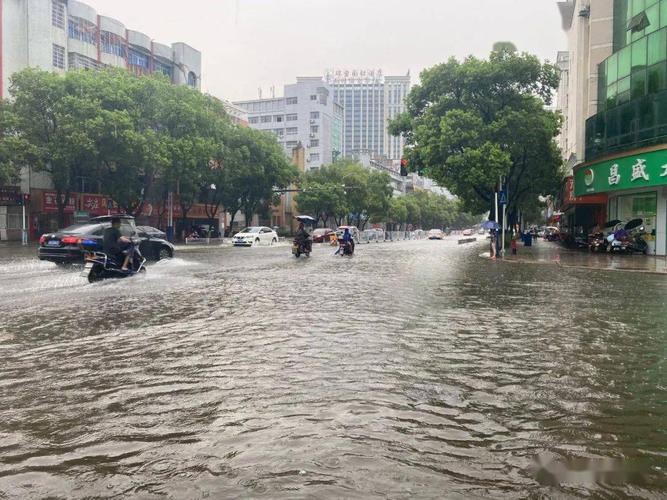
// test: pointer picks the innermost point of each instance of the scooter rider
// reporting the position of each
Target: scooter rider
(302, 237)
(348, 241)
(112, 241)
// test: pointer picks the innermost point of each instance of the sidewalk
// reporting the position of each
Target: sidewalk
(544, 252)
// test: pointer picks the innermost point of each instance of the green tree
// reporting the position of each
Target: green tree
(469, 124)
(57, 125)
(14, 150)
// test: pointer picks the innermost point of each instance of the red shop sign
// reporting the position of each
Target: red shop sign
(97, 204)
(50, 204)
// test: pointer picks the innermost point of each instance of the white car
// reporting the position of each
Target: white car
(256, 235)
(467, 232)
(435, 234)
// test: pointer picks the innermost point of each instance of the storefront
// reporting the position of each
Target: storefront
(580, 214)
(636, 184)
(10, 213)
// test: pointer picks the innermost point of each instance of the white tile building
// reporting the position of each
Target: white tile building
(306, 114)
(61, 35)
(370, 100)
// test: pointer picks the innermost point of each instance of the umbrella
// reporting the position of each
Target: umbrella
(490, 224)
(634, 223)
(306, 219)
(612, 223)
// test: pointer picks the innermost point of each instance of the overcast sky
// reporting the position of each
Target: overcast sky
(247, 44)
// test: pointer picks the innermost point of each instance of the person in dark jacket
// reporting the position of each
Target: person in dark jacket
(112, 242)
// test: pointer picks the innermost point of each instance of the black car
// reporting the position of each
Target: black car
(153, 232)
(64, 247)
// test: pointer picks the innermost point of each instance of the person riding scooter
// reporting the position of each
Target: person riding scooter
(116, 246)
(302, 238)
(346, 243)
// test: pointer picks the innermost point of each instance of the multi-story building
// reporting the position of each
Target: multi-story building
(370, 100)
(625, 148)
(306, 115)
(588, 26)
(59, 35)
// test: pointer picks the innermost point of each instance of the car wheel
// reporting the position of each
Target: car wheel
(164, 253)
(274, 241)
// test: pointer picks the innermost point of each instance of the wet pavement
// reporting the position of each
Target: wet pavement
(543, 252)
(413, 370)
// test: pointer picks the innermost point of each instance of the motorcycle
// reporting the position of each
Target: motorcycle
(99, 266)
(599, 242)
(302, 248)
(638, 243)
(622, 241)
(345, 249)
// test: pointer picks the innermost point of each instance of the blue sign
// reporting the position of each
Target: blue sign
(502, 197)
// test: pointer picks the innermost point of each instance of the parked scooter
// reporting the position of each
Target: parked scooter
(622, 241)
(598, 240)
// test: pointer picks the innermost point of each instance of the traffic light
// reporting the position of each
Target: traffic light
(404, 167)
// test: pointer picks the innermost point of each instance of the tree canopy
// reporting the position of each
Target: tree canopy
(348, 192)
(470, 123)
(136, 138)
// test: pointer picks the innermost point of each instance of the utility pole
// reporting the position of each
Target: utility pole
(502, 251)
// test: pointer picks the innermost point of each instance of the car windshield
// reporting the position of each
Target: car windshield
(81, 229)
(250, 230)
(319, 231)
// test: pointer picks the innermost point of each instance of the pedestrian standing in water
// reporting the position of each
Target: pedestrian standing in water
(514, 244)
(493, 244)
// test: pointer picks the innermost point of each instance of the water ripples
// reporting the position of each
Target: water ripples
(414, 369)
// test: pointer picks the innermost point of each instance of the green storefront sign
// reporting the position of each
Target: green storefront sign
(630, 172)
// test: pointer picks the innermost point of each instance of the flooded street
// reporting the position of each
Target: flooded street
(413, 370)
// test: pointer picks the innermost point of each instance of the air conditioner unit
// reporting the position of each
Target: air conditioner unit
(312, 136)
(312, 122)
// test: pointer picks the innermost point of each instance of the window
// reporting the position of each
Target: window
(266, 119)
(58, 14)
(292, 130)
(639, 54)
(113, 44)
(291, 100)
(314, 143)
(314, 115)
(253, 119)
(624, 62)
(278, 118)
(192, 79)
(291, 144)
(58, 56)
(138, 59)
(279, 132)
(166, 69)
(657, 47)
(315, 157)
(313, 97)
(80, 29)
(291, 117)
(314, 129)
(77, 61)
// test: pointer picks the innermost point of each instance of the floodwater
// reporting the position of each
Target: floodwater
(413, 370)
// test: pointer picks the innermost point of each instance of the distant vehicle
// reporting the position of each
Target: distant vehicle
(323, 235)
(356, 235)
(256, 235)
(153, 232)
(467, 232)
(64, 247)
(435, 234)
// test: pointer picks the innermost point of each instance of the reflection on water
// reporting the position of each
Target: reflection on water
(411, 370)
